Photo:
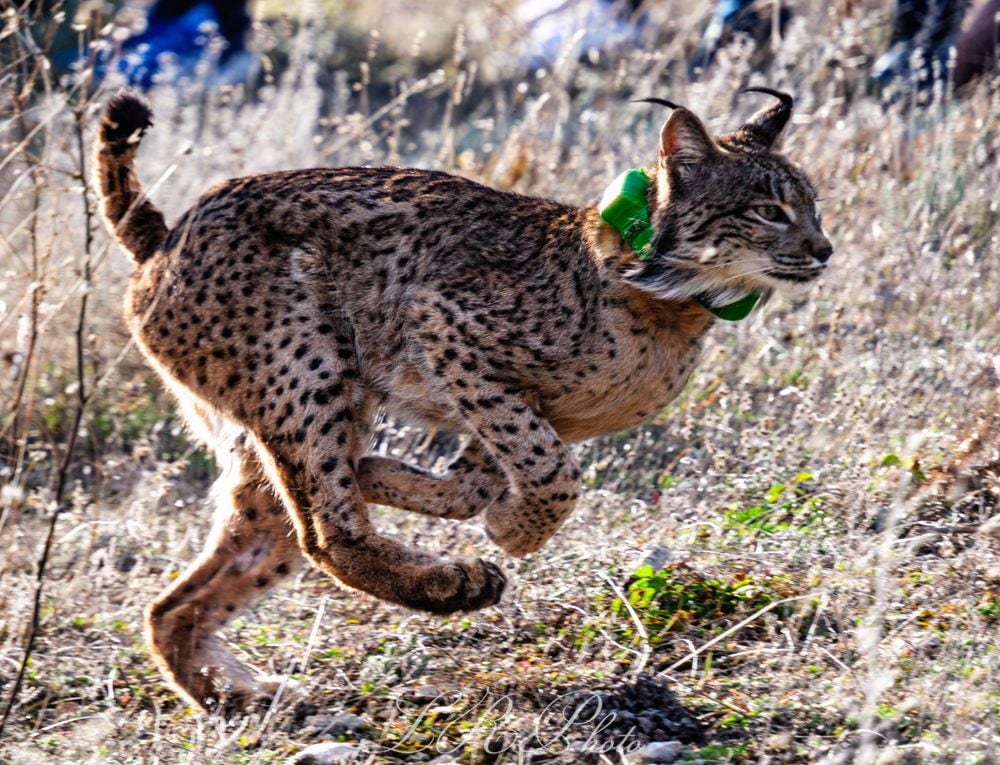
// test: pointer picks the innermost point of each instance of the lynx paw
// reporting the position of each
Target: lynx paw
(461, 585)
(246, 697)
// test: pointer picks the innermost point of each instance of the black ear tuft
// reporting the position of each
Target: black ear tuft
(765, 127)
(786, 100)
(126, 114)
(660, 101)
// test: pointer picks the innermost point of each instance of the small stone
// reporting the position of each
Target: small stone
(334, 725)
(779, 742)
(427, 694)
(991, 527)
(444, 759)
(657, 557)
(345, 722)
(326, 753)
(661, 752)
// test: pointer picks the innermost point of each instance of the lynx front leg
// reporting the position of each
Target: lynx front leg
(542, 476)
(467, 486)
(251, 549)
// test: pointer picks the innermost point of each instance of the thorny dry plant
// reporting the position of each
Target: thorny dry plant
(819, 509)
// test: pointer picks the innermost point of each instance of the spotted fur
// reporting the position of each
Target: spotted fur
(285, 309)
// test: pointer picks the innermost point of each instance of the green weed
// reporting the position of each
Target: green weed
(678, 597)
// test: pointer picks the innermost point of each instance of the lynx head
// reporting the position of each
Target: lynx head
(732, 216)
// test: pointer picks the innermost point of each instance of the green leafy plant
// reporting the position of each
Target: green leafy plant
(678, 596)
(785, 506)
(905, 463)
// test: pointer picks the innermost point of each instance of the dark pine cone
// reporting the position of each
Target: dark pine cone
(643, 712)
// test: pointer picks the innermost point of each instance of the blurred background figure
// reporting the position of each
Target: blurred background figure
(978, 46)
(922, 37)
(592, 26)
(730, 17)
(180, 36)
(922, 33)
(925, 31)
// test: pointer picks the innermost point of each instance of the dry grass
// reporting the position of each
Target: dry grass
(840, 450)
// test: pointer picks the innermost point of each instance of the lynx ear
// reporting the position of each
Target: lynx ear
(766, 126)
(684, 139)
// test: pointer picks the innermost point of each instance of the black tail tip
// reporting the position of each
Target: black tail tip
(125, 115)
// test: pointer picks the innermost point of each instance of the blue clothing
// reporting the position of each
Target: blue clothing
(184, 37)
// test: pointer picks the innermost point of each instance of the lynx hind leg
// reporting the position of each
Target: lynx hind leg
(466, 487)
(251, 549)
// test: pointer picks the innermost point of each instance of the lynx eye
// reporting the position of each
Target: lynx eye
(772, 213)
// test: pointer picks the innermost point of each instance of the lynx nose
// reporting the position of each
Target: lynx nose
(820, 250)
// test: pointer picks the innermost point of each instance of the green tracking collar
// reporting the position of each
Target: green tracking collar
(625, 208)
(735, 311)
